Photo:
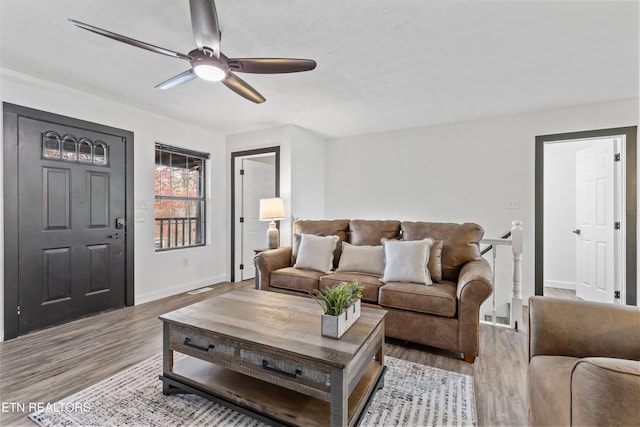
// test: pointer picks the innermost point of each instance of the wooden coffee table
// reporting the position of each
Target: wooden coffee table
(261, 353)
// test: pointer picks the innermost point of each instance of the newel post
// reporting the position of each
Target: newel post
(516, 290)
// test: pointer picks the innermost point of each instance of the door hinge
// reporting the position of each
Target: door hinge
(616, 157)
(616, 225)
(616, 294)
(241, 171)
(241, 266)
(18, 310)
(241, 219)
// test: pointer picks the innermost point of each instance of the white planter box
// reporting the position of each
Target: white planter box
(353, 311)
(336, 326)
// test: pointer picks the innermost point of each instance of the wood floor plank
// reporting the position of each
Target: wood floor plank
(48, 365)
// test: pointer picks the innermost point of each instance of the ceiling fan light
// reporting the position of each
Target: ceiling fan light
(209, 71)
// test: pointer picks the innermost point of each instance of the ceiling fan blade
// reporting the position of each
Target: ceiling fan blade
(204, 23)
(270, 65)
(129, 40)
(174, 81)
(242, 88)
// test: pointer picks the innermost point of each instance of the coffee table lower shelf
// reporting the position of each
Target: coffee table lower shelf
(267, 402)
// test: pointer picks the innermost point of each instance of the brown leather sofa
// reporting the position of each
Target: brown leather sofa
(443, 315)
(584, 364)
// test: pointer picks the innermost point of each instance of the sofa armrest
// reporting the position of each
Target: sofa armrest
(605, 391)
(575, 328)
(268, 261)
(476, 274)
(474, 287)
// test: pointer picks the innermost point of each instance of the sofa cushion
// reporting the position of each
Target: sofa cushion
(371, 284)
(316, 252)
(361, 259)
(333, 227)
(435, 261)
(295, 279)
(406, 261)
(461, 242)
(549, 389)
(371, 232)
(438, 299)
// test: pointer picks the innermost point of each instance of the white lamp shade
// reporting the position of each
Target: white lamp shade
(271, 209)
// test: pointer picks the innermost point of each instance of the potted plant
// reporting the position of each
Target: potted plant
(341, 306)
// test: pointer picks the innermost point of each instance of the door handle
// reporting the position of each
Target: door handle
(576, 231)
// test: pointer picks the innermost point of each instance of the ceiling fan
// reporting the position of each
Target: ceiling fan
(207, 61)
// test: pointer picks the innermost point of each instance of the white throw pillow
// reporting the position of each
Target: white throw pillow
(406, 261)
(316, 252)
(361, 259)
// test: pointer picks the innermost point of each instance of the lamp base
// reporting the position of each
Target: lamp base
(273, 238)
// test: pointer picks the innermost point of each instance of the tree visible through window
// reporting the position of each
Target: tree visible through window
(180, 203)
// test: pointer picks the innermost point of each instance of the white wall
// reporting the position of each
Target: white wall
(308, 174)
(457, 172)
(156, 274)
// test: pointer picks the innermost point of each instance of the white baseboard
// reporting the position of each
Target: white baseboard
(559, 284)
(152, 296)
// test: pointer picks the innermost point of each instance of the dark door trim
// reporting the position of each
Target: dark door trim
(631, 160)
(234, 155)
(11, 113)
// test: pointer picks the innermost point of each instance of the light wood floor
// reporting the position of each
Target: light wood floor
(560, 293)
(47, 365)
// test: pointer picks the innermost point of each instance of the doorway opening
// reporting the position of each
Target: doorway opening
(255, 174)
(585, 215)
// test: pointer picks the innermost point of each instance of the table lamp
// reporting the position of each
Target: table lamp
(272, 209)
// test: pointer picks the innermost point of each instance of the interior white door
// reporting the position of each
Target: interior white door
(595, 246)
(256, 181)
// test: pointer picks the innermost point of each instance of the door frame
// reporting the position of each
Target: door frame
(631, 159)
(11, 114)
(234, 156)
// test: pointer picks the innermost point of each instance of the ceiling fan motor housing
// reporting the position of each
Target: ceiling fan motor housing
(207, 66)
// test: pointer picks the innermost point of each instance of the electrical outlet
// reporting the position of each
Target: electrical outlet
(185, 262)
(139, 217)
(513, 204)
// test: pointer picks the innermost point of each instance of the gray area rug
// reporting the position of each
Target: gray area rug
(413, 395)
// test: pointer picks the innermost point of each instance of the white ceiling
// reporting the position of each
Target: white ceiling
(382, 64)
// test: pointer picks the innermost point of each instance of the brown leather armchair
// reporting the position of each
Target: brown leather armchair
(584, 363)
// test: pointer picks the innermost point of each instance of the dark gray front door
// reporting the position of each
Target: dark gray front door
(71, 223)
